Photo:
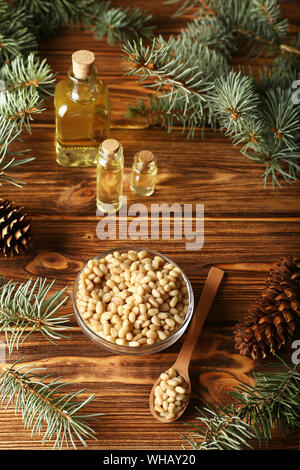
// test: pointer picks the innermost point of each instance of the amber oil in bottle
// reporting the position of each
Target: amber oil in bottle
(82, 111)
(110, 171)
(144, 172)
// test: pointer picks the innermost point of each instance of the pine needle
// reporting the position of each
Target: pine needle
(25, 80)
(45, 407)
(117, 24)
(24, 84)
(29, 307)
(193, 85)
(273, 402)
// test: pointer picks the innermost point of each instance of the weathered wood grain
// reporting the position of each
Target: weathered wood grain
(247, 227)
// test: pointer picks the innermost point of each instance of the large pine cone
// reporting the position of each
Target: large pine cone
(272, 320)
(15, 229)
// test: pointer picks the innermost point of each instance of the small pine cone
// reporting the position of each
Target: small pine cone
(273, 319)
(15, 229)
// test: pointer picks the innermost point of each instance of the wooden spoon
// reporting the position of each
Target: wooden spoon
(182, 362)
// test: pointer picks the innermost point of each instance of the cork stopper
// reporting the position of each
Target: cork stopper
(82, 62)
(110, 146)
(145, 157)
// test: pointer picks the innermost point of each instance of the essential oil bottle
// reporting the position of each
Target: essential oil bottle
(143, 175)
(110, 171)
(82, 111)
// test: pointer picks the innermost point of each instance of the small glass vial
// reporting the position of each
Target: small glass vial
(110, 170)
(82, 111)
(143, 175)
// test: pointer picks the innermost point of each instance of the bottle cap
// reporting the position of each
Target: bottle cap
(82, 62)
(110, 146)
(145, 157)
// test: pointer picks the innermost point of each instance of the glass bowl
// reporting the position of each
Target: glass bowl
(144, 349)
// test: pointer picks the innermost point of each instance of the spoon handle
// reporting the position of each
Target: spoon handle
(209, 291)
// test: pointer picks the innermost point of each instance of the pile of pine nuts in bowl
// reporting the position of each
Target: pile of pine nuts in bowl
(133, 301)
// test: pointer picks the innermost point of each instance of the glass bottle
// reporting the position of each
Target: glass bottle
(110, 170)
(143, 175)
(82, 111)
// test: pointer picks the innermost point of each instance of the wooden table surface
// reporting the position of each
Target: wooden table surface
(247, 227)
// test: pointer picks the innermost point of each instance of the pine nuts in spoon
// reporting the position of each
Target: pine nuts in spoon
(170, 395)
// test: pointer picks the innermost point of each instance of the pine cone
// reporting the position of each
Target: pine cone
(15, 229)
(273, 319)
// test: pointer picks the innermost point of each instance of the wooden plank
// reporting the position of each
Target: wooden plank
(226, 182)
(123, 383)
(62, 247)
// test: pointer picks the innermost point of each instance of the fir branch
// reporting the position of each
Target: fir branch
(23, 85)
(292, 51)
(282, 117)
(183, 72)
(119, 25)
(273, 402)
(221, 429)
(18, 108)
(176, 80)
(16, 37)
(28, 73)
(234, 101)
(28, 307)
(279, 147)
(9, 159)
(184, 47)
(281, 75)
(212, 32)
(267, 28)
(156, 111)
(268, 126)
(192, 85)
(187, 5)
(257, 23)
(181, 78)
(51, 15)
(43, 403)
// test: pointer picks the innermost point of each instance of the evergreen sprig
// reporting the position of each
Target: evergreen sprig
(272, 403)
(193, 85)
(117, 24)
(9, 159)
(177, 76)
(29, 307)
(282, 74)
(43, 403)
(24, 84)
(256, 25)
(49, 16)
(157, 111)
(266, 127)
(29, 73)
(181, 81)
(16, 36)
(19, 108)
(25, 80)
(223, 429)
